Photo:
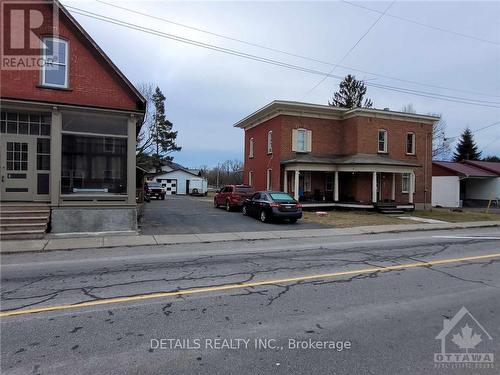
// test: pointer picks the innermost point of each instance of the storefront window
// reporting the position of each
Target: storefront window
(92, 164)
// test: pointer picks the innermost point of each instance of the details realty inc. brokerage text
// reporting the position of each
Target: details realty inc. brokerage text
(248, 343)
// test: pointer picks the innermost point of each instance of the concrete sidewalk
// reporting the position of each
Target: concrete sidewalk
(10, 247)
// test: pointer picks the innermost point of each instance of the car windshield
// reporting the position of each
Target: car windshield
(281, 197)
(244, 190)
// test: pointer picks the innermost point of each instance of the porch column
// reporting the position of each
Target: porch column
(374, 187)
(336, 187)
(285, 181)
(393, 188)
(55, 156)
(412, 187)
(296, 185)
(131, 140)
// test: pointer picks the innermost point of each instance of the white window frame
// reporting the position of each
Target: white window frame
(270, 142)
(269, 179)
(251, 148)
(384, 150)
(65, 64)
(302, 131)
(413, 145)
(405, 177)
(250, 178)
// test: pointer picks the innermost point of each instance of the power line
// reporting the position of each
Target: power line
(288, 53)
(272, 61)
(477, 130)
(423, 24)
(350, 50)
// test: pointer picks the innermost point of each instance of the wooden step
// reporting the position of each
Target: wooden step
(22, 227)
(23, 214)
(391, 211)
(24, 219)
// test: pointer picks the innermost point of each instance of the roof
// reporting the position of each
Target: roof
(161, 173)
(464, 169)
(490, 166)
(89, 39)
(279, 107)
(355, 159)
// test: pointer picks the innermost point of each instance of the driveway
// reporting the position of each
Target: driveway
(185, 214)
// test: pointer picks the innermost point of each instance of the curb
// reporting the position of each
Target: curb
(46, 245)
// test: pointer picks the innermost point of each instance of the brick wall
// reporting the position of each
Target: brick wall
(354, 135)
(92, 82)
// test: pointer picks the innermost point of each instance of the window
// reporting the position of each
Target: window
(329, 181)
(89, 167)
(269, 176)
(250, 178)
(382, 140)
(270, 142)
(301, 140)
(410, 143)
(43, 154)
(24, 123)
(250, 148)
(55, 62)
(405, 183)
(17, 156)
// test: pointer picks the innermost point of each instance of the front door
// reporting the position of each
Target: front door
(17, 164)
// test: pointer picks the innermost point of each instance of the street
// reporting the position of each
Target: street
(213, 301)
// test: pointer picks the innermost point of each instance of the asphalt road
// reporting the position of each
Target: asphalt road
(179, 214)
(390, 319)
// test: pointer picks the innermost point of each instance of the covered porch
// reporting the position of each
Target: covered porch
(357, 181)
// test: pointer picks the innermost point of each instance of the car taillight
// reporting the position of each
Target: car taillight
(275, 205)
(298, 205)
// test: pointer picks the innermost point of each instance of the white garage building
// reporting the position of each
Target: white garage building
(467, 183)
(179, 180)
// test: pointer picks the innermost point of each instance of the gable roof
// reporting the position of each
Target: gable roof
(464, 169)
(102, 54)
(490, 166)
(277, 107)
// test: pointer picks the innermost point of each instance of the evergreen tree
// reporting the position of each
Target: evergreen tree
(162, 136)
(350, 94)
(467, 148)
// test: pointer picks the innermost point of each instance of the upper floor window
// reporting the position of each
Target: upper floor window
(55, 63)
(410, 143)
(382, 140)
(301, 140)
(270, 142)
(250, 148)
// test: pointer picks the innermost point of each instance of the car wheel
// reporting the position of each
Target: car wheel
(244, 210)
(216, 204)
(263, 216)
(228, 206)
(293, 221)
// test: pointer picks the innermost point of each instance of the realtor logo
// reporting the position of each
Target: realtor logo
(464, 341)
(22, 23)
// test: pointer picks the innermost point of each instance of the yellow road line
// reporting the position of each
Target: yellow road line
(143, 297)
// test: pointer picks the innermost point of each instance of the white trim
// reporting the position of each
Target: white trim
(281, 107)
(250, 178)
(414, 144)
(384, 151)
(65, 64)
(270, 142)
(251, 146)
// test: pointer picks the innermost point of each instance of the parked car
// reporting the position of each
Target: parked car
(198, 186)
(156, 190)
(232, 196)
(268, 205)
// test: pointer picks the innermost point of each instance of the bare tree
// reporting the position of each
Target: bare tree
(440, 144)
(228, 172)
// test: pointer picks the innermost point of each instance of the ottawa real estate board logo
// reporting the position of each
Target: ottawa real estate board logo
(21, 24)
(464, 343)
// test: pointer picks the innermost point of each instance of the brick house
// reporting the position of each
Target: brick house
(68, 126)
(327, 156)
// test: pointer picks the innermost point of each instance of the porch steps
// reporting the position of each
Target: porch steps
(388, 208)
(23, 220)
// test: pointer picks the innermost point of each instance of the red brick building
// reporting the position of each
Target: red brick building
(69, 119)
(331, 156)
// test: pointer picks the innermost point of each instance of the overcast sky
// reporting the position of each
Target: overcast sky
(208, 91)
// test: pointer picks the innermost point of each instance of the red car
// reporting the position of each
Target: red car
(231, 196)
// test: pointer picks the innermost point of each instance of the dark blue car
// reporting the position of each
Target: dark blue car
(268, 205)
